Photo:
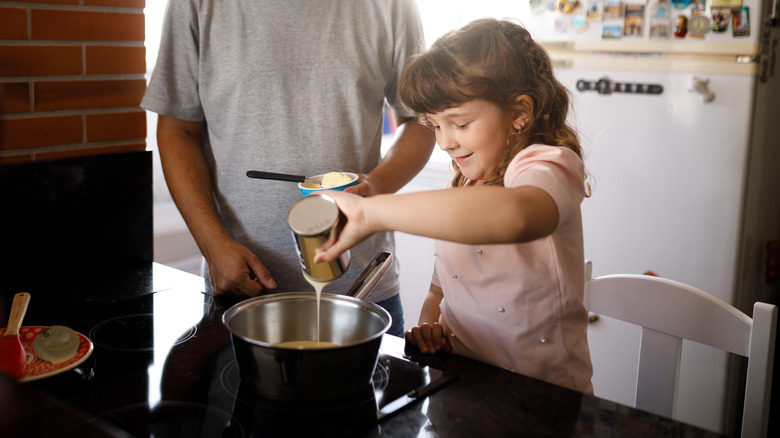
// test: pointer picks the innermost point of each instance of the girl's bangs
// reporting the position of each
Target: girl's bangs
(434, 87)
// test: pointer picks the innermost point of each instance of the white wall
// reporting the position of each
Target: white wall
(415, 253)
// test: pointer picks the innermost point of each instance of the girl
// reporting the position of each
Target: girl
(508, 279)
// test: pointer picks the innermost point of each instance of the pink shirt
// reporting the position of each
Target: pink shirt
(520, 306)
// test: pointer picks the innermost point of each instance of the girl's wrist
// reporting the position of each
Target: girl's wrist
(372, 214)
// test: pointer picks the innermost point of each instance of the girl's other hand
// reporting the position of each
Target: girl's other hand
(428, 338)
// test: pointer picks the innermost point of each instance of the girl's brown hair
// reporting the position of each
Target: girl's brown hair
(498, 61)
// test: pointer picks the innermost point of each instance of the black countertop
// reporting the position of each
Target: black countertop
(163, 365)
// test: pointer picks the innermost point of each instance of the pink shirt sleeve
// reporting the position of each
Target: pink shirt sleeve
(556, 170)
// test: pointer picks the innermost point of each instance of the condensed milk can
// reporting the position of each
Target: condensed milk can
(313, 220)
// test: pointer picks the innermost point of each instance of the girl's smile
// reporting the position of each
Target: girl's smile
(474, 134)
(461, 160)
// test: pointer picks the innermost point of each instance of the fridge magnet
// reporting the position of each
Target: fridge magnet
(740, 21)
(720, 20)
(613, 9)
(561, 24)
(594, 11)
(661, 10)
(611, 31)
(566, 6)
(725, 4)
(537, 6)
(698, 26)
(660, 21)
(578, 22)
(660, 29)
(634, 25)
(697, 7)
(681, 28)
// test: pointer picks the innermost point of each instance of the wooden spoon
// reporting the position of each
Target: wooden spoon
(12, 355)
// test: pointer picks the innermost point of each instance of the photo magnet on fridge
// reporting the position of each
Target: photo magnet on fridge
(594, 10)
(660, 21)
(720, 19)
(715, 4)
(613, 9)
(634, 21)
(538, 6)
(740, 21)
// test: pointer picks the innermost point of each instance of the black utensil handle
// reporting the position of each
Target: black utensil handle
(275, 176)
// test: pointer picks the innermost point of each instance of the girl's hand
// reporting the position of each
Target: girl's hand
(355, 229)
(428, 338)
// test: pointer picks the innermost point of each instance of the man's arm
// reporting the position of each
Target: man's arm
(234, 268)
(411, 149)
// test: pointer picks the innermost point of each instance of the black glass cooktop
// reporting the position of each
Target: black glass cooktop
(163, 365)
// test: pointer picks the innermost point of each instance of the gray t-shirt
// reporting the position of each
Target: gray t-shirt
(291, 86)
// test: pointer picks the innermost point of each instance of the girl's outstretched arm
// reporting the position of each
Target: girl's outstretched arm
(471, 215)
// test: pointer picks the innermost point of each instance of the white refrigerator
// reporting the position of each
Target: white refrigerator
(681, 143)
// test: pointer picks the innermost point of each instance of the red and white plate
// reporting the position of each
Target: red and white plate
(37, 368)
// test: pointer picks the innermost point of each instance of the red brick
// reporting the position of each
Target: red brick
(116, 126)
(115, 60)
(103, 150)
(59, 2)
(13, 24)
(16, 159)
(121, 3)
(52, 96)
(15, 97)
(40, 131)
(84, 25)
(40, 60)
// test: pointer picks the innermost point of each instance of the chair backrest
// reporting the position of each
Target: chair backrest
(668, 312)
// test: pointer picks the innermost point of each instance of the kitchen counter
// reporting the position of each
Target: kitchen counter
(162, 365)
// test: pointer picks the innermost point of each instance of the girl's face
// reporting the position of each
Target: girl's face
(474, 134)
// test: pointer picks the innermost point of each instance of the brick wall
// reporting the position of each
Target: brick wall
(71, 78)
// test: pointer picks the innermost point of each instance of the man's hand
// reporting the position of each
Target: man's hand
(235, 270)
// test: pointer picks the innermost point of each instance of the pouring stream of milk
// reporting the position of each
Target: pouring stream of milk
(318, 286)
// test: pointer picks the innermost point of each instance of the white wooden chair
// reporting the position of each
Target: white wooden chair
(668, 312)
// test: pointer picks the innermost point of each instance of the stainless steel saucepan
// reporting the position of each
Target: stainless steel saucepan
(259, 324)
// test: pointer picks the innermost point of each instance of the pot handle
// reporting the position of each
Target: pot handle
(371, 275)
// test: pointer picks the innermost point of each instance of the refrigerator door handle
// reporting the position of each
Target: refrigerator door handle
(702, 87)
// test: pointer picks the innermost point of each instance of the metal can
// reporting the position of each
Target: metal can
(313, 220)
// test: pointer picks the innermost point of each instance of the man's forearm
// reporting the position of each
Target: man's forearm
(411, 149)
(188, 179)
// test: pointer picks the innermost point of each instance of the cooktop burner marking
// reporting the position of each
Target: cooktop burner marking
(130, 333)
(230, 378)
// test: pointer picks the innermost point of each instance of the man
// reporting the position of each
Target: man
(290, 86)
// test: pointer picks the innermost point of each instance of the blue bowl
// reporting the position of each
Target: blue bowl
(309, 190)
